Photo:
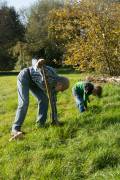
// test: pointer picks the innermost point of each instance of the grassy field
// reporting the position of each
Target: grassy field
(86, 147)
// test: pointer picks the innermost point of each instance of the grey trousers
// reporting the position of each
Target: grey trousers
(24, 85)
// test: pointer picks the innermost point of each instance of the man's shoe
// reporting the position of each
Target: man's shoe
(40, 126)
(57, 123)
(16, 135)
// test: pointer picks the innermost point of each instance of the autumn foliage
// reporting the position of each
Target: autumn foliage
(89, 32)
(84, 34)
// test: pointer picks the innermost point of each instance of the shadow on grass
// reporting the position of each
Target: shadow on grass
(108, 121)
(62, 134)
(95, 109)
(111, 106)
(99, 121)
(104, 160)
(51, 155)
(68, 132)
(87, 119)
(117, 141)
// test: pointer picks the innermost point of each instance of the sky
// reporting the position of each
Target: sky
(18, 4)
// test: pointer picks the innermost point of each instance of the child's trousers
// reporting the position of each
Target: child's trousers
(24, 85)
(79, 101)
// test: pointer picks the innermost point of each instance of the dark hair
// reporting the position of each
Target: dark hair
(64, 81)
(89, 87)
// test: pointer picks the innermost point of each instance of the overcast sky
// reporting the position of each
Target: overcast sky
(18, 4)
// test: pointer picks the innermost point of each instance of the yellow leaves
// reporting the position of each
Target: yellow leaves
(90, 31)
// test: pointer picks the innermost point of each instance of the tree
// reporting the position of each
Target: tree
(37, 29)
(89, 33)
(103, 36)
(11, 30)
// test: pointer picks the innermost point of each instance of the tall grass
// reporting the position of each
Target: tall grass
(86, 147)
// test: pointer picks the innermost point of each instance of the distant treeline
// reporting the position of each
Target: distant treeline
(82, 34)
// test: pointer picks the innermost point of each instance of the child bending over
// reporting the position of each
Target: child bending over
(81, 92)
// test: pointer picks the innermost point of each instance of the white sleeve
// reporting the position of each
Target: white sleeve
(34, 61)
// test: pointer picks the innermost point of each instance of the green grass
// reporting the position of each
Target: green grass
(86, 147)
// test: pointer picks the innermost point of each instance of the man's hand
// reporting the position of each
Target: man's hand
(40, 63)
(86, 108)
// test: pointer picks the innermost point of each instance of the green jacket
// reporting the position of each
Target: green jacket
(79, 89)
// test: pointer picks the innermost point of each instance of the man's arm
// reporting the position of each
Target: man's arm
(53, 100)
(50, 82)
(49, 78)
